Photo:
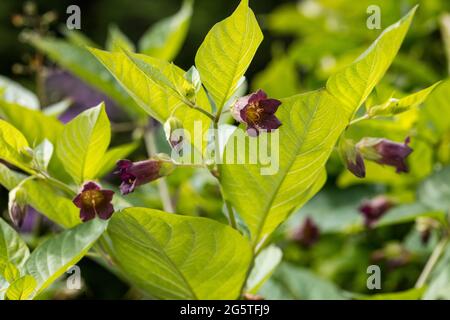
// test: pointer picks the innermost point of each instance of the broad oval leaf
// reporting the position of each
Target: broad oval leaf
(227, 51)
(52, 258)
(12, 248)
(84, 142)
(312, 124)
(179, 257)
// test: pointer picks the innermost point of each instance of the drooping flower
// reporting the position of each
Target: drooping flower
(94, 201)
(373, 209)
(307, 234)
(134, 174)
(386, 152)
(257, 111)
(352, 157)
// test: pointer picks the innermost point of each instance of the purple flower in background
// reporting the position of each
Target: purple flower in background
(93, 200)
(257, 112)
(373, 209)
(134, 174)
(63, 84)
(307, 234)
(386, 152)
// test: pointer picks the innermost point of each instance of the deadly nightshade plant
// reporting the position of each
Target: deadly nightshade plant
(372, 210)
(183, 244)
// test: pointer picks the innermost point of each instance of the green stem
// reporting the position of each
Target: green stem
(434, 258)
(231, 216)
(364, 117)
(162, 184)
(209, 115)
(59, 184)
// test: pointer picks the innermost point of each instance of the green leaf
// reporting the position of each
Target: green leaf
(439, 284)
(352, 85)
(118, 41)
(113, 155)
(43, 154)
(58, 108)
(15, 93)
(445, 30)
(396, 106)
(82, 64)
(53, 257)
(312, 124)
(411, 294)
(13, 146)
(140, 74)
(227, 52)
(9, 271)
(84, 142)
(34, 125)
(179, 257)
(42, 197)
(22, 289)
(435, 191)
(12, 248)
(164, 39)
(265, 263)
(290, 282)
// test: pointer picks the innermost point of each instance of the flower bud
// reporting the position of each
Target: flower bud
(17, 206)
(386, 152)
(173, 128)
(134, 174)
(352, 158)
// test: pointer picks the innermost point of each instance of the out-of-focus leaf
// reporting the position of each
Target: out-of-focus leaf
(83, 143)
(412, 294)
(290, 282)
(265, 263)
(52, 258)
(439, 285)
(12, 248)
(435, 191)
(15, 93)
(164, 39)
(279, 79)
(445, 29)
(58, 108)
(22, 289)
(78, 38)
(81, 63)
(227, 51)
(179, 257)
(9, 178)
(118, 41)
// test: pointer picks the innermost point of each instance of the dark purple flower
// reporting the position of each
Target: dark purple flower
(134, 174)
(93, 200)
(373, 209)
(352, 157)
(386, 152)
(257, 112)
(307, 234)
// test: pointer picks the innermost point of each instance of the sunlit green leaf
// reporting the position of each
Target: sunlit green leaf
(179, 257)
(22, 289)
(15, 93)
(227, 51)
(84, 142)
(13, 146)
(118, 41)
(264, 265)
(12, 247)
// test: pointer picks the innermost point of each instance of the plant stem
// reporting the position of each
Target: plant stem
(364, 117)
(162, 184)
(435, 255)
(209, 115)
(231, 216)
(59, 184)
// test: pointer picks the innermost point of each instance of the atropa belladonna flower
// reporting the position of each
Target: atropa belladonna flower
(307, 234)
(386, 152)
(134, 174)
(94, 201)
(257, 112)
(373, 209)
